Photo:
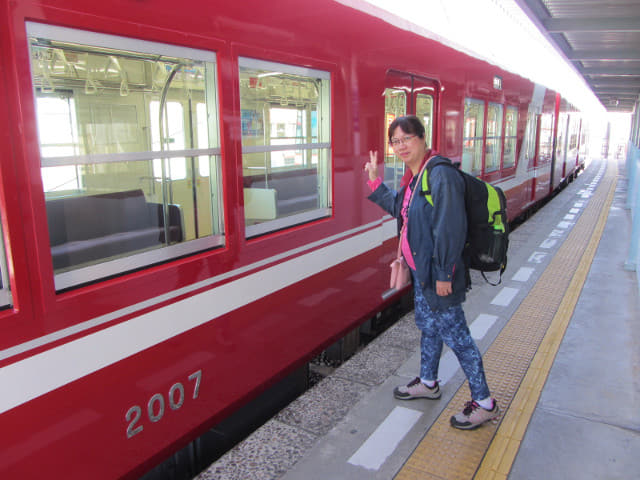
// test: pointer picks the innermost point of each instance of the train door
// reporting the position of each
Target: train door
(407, 94)
(562, 143)
(572, 144)
(543, 155)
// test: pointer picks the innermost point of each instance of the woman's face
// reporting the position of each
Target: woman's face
(408, 146)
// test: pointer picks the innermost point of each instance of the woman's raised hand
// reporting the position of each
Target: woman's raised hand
(372, 165)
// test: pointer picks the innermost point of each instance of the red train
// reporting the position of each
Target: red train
(184, 212)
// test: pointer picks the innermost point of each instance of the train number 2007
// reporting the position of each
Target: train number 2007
(156, 404)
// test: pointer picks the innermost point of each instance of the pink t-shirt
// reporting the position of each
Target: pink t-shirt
(404, 242)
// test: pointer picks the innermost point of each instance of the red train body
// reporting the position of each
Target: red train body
(104, 376)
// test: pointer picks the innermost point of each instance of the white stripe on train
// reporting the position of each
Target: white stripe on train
(41, 373)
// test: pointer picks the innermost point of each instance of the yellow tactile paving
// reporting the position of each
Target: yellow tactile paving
(518, 362)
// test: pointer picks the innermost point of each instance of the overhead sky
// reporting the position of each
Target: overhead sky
(495, 30)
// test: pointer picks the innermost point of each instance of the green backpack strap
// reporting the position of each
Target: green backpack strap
(495, 209)
(425, 186)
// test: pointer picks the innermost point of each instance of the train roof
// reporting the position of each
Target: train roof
(475, 34)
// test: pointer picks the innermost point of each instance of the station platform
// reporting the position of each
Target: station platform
(560, 339)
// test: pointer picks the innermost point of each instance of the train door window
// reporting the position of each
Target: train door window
(424, 111)
(286, 145)
(583, 149)
(573, 133)
(510, 136)
(395, 105)
(561, 142)
(532, 124)
(545, 148)
(473, 136)
(121, 170)
(494, 137)
(5, 292)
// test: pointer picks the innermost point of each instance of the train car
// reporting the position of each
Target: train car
(184, 212)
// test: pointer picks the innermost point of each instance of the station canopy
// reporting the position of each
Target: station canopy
(601, 38)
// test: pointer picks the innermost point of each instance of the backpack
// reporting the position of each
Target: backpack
(487, 227)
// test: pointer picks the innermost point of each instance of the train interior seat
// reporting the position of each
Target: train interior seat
(88, 228)
(295, 190)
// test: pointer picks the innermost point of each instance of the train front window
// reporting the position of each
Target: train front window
(129, 146)
(286, 145)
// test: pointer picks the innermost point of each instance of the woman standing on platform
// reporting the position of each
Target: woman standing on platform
(431, 241)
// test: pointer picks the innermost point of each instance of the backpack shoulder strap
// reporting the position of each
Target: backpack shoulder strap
(426, 190)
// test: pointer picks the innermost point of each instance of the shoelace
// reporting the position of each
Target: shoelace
(469, 407)
(417, 380)
(413, 382)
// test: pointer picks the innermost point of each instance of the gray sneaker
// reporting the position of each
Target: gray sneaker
(416, 389)
(473, 415)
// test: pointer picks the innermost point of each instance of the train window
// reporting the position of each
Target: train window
(494, 137)
(173, 118)
(286, 145)
(395, 105)
(62, 140)
(5, 292)
(562, 137)
(510, 136)
(473, 136)
(545, 149)
(424, 111)
(584, 144)
(532, 127)
(573, 133)
(129, 145)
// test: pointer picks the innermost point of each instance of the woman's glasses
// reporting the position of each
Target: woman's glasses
(402, 140)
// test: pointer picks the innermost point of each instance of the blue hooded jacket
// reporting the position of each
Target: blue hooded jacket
(436, 234)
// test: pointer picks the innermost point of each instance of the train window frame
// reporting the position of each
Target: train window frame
(118, 48)
(264, 211)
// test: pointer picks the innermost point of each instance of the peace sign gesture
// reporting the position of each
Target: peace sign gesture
(372, 165)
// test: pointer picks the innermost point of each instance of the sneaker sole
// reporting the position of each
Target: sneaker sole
(470, 426)
(408, 396)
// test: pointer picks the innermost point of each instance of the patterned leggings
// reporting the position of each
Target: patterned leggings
(450, 326)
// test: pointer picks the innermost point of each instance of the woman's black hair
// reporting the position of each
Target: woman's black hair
(409, 124)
